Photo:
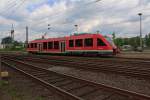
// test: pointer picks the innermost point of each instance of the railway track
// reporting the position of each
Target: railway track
(72, 88)
(95, 59)
(115, 58)
(87, 60)
(139, 70)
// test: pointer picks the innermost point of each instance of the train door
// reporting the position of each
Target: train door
(63, 46)
(40, 47)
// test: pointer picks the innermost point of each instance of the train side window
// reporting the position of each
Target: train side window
(45, 45)
(100, 42)
(28, 46)
(56, 44)
(35, 45)
(79, 43)
(50, 45)
(71, 43)
(88, 42)
(31, 45)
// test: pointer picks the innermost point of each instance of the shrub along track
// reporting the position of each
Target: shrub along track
(69, 87)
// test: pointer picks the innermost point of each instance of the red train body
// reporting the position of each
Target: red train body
(75, 44)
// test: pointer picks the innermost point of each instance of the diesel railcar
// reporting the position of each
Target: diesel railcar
(74, 44)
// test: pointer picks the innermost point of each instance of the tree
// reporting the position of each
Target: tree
(147, 40)
(134, 41)
(7, 40)
(113, 36)
(119, 42)
(17, 45)
(126, 41)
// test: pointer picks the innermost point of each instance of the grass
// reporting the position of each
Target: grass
(13, 93)
(13, 49)
(3, 83)
(40, 98)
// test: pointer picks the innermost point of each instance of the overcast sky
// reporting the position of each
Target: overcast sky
(107, 16)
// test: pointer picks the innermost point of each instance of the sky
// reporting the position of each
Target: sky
(106, 16)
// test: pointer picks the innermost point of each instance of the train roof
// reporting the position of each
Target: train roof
(49, 39)
(75, 35)
(84, 35)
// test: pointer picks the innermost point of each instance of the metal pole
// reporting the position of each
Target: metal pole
(0, 67)
(76, 26)
(26, 37)
(12, 33)
(141, 42)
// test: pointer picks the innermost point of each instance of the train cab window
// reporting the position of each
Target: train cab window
(56, 44)
(45, 45)
(100, 42)
(50, 45)
(71, 43)
(79, 42)
(88, 42)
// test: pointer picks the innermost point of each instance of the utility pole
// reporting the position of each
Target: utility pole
(0, 67)
(26, 44)
(141, 42)
(12, 33)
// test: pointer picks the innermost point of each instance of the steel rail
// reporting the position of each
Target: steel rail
(65, 95)
(144, 60)
(130, 94)
(83, 62)
(92, 59)
(130, 70)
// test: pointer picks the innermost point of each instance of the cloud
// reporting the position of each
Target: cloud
(106, 16)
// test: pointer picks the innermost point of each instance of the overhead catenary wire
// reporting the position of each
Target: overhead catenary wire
(116, 23)
(124, 21)
(10, 5)
(59, 13)
(44, 21)
(65, 23)
(4, 12)
(12, 8)
(15, 8)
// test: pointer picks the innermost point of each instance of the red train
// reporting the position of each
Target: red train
(74, 44)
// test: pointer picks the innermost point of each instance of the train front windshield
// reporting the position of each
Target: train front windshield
(110, 40)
